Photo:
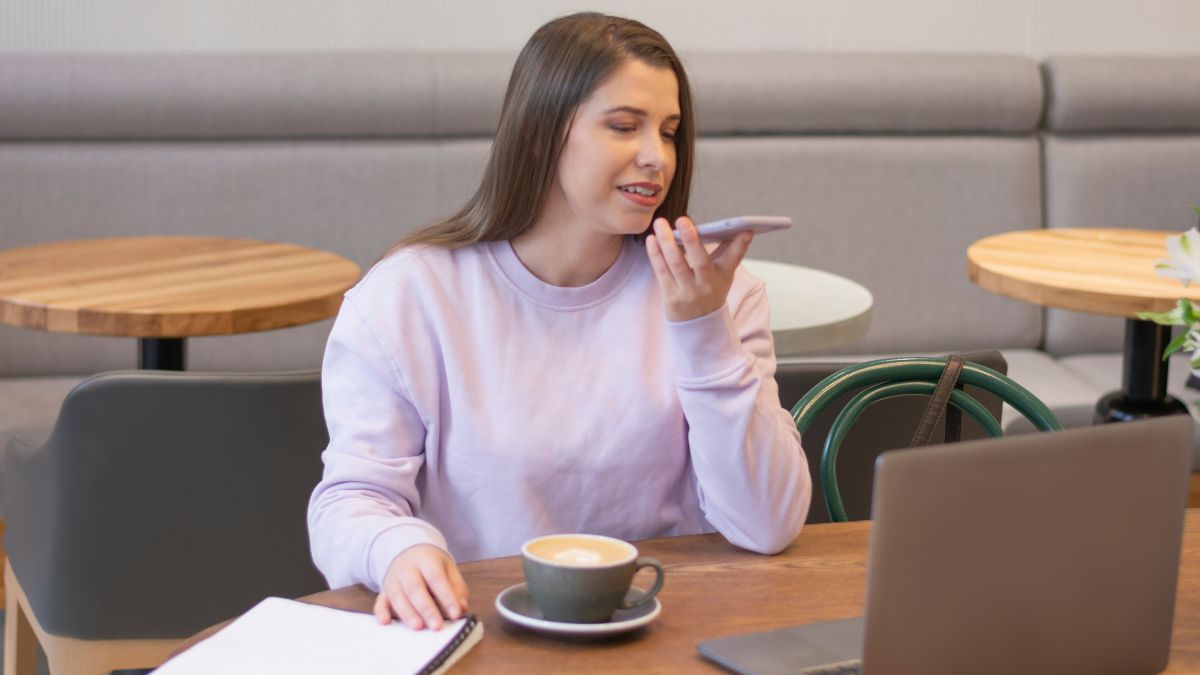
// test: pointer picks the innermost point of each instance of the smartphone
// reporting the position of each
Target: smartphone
(719, 230)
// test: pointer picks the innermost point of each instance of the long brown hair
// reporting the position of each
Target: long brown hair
(563, 62)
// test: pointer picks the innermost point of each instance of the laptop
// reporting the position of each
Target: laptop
(1038, 553)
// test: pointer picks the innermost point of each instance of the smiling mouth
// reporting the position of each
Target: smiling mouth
(639, 190)
(643, 197)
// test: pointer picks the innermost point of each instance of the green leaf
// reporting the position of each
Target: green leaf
(1175, 345)
(1161, 318)
(1171, 318)
(1185, 244)
(1195, 361)
(1186, 311)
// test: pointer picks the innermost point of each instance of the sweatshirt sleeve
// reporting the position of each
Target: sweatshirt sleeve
(751, 472)
(360, 516)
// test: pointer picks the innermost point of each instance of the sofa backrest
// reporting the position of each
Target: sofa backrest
(1122, 149)
(343, 152)
(891, 166)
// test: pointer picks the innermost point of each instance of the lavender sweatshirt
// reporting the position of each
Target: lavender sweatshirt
(473, 406)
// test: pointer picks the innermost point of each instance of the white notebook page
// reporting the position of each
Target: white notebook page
(285, 636)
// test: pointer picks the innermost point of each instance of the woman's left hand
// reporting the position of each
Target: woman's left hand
(693, 281)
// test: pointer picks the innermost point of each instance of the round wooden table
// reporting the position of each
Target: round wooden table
(811, 309)
(1100, 271)
(162, 290)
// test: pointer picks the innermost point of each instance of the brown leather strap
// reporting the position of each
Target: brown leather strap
(937, 402)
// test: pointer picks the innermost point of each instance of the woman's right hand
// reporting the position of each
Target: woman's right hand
(421, 586)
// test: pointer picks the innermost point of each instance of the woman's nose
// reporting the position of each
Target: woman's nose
(653, 152)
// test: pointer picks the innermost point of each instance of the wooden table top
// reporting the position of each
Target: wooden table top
(714, 589)
(1095, 270)
(169, 286)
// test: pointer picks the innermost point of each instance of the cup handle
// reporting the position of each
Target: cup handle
(645, 597)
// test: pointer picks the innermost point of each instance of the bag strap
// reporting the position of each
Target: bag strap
(937, 404)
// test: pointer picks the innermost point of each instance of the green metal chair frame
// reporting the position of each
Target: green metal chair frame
(904, 376)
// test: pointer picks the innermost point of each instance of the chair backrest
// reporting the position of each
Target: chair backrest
(884, 379)
(884, 426)
(163, 503)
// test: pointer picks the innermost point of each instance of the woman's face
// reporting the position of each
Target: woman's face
(619, 156)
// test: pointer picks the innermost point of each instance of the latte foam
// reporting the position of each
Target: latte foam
(578, 556)
(581, 551)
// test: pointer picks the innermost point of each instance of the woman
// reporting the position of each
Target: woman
(542, 362)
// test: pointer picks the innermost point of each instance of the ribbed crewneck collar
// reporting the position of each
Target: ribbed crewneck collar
(563, 297)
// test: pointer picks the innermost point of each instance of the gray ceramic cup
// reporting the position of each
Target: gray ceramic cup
(583, 578)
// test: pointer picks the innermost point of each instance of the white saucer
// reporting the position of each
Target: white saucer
(515, 604)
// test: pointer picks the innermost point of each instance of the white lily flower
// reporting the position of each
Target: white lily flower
(1185, 257)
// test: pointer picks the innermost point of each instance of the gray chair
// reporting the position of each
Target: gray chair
(160, 504)
(886, 425)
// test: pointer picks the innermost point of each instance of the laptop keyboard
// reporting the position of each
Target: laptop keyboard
(842, 668)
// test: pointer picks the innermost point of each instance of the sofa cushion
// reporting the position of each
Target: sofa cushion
(1078, 381)
(263, 96)
(1122, 150)
(354, 198)
(1142, 182)
(1107, 93)
(1072, 395)
(796, 92)
(427, 94)
(1046, 378)
(1103, 373)
(894, 213)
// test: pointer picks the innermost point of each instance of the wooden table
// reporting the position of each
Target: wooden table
(1100, 271)
(164, 289)
(811, 309)
(713, 590)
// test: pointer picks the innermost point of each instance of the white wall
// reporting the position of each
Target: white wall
(1035, 27)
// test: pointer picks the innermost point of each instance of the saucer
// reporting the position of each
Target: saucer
(515, 604)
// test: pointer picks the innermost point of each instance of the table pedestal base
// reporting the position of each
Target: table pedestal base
(1115, 406)
(1143, 377)
(162, 353)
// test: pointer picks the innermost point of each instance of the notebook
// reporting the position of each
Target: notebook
(1038, 553)
(286, 636)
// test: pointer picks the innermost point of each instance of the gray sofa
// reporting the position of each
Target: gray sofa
(891, 166)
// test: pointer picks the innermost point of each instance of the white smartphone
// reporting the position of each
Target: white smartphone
(720, 230)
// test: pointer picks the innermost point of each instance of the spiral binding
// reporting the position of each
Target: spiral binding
(463, 632)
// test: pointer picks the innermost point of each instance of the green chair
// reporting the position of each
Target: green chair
(907, 376)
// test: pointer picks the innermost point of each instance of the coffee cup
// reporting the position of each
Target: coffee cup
(583, 578)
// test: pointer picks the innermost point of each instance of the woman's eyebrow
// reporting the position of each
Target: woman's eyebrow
(639, 112)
